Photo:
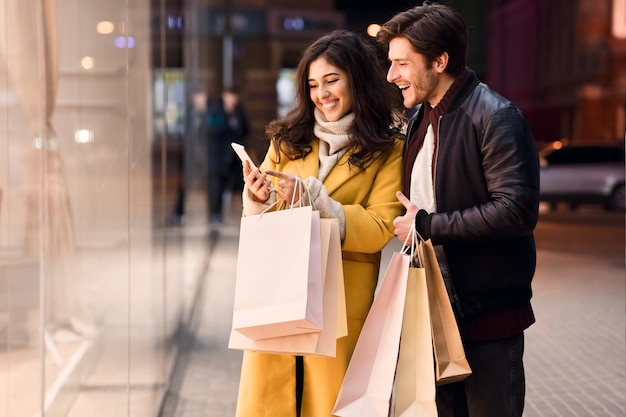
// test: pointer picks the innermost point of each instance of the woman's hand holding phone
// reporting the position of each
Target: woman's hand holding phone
(256, 181)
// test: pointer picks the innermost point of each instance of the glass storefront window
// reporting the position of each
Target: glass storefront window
(93, 287)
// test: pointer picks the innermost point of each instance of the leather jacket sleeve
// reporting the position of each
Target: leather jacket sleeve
(495, 194)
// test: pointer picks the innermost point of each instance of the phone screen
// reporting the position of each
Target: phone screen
(243, 155)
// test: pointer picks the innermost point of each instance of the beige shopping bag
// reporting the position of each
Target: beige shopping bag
(450, 360)
(323, 343)
(367, 385)
(335, 266)
(415, 377)
(278, 289)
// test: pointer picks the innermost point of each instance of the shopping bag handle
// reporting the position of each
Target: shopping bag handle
(300, 188)
(412, 237)
(415, 239)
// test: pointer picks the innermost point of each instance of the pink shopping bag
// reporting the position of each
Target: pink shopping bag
(367, 385)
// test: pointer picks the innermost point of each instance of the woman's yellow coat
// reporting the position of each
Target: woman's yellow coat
(268, 381)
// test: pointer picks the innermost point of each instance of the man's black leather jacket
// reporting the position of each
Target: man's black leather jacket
(486, 181)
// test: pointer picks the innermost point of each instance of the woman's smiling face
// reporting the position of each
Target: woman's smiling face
(329, 89)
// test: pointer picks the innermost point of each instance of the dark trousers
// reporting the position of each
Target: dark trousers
(179, 206)
(217, 185)
(496, 387)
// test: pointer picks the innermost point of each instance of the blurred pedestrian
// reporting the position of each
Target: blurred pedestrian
(472, 181)
(226, 122)
(194, 138)
(339, 140)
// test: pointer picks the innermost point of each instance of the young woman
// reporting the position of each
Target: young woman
(342, 139)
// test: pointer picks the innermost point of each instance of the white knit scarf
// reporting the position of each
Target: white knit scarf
(334, 140)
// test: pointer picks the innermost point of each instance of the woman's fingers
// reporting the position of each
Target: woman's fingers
(286, 185)
(278, 174)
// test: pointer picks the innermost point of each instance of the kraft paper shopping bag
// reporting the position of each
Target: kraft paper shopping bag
(323, 343)
(367, 385)
(278, 289)
(450, 360)
(415, 377)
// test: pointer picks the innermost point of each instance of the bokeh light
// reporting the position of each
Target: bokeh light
(87, 62)
(105, 27)
(373, 29)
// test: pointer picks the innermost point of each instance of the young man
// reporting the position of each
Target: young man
(472, 187)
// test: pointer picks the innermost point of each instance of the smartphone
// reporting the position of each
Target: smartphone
(243, 155)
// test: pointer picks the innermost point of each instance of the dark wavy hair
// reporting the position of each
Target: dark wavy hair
(376, 104)
(432, 29)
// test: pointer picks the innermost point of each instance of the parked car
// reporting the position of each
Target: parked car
(583, 173)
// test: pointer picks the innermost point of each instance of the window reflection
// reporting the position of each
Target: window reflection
(91, 291)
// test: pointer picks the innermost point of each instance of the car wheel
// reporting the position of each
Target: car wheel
(617, 200)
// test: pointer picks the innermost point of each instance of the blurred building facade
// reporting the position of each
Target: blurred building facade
(246, 43)
(564, 63)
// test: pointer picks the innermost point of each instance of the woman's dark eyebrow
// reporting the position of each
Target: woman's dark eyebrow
(326, 75)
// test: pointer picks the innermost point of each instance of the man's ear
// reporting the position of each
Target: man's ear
(441, 62)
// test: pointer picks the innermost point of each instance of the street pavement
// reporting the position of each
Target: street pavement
(575, 357)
